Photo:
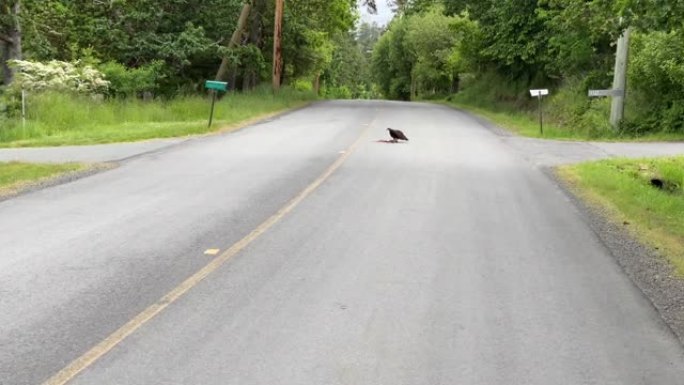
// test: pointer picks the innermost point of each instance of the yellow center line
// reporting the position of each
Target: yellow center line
(78, 365)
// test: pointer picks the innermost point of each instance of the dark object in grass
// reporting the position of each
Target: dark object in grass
(397, 135)
(665, 185)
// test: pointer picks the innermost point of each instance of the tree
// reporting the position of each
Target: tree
(425, 53)
(348, 75)
(432, 43)
(581, 37)
(367, 36)
(308, 29)
(10, 37)
(653, 15)
(188, 37)
(393, 63)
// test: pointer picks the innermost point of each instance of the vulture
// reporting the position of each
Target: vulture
(396, 135)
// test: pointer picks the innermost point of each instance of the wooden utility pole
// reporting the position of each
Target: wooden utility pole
(277, 44)
(617, 107)
(234, 41)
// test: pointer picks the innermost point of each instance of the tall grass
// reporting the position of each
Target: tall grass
(54, 119)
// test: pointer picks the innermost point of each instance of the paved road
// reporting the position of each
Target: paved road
(540, 152)
(446, 260)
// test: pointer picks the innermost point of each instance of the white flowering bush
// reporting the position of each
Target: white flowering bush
(58, 76)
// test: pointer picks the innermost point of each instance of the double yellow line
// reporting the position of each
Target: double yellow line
(83, 362)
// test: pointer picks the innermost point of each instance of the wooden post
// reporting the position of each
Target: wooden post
(234, 40)
(541, 119)
(617, 107)
(213, 102)
(277, 44)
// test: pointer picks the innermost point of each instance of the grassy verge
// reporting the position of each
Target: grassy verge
(520, 123)
(14, 175)
(55, 120)
(625, 191)
(525, 123)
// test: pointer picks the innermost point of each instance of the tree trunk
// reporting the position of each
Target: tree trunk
(11, 44)
(455, 84)
(6, 70)
(317, 83)
(234, 40)
(250, 80)
(247, 79)
(16, 32)
(277, 45)
(232, 77)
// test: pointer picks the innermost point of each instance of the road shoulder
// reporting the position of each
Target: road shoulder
(644, 265)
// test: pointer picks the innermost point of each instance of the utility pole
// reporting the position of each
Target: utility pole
(277, 44)
(617, 107)
(234, 41)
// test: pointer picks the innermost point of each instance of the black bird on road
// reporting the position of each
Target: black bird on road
(396, 135)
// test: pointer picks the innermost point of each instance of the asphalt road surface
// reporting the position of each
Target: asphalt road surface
(450, 259)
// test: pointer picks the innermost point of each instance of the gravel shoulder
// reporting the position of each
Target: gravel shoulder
(644, 265)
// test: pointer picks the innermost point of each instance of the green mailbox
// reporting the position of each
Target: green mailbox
(215, 85)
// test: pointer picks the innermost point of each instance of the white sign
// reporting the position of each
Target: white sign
(597, 93)
(539, 92)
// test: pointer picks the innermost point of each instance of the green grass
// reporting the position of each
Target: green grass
(526, 123)
(518, 122)
(15, 175)
(623, 189)
(54, 119)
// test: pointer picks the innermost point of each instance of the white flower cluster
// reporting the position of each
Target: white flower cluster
(58, 76)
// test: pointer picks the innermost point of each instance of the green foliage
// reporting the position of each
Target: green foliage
(302, 85)
(431, 42)
(392, 62)
(308, 30)
(348, 75)
(340, 92)
(581, 36)
(657, 79)
(126, 81)
(185, 36)
(653, 15)
(514, 37)
(251, 59)
(493, 89)
(424, 54)
(579, 116)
